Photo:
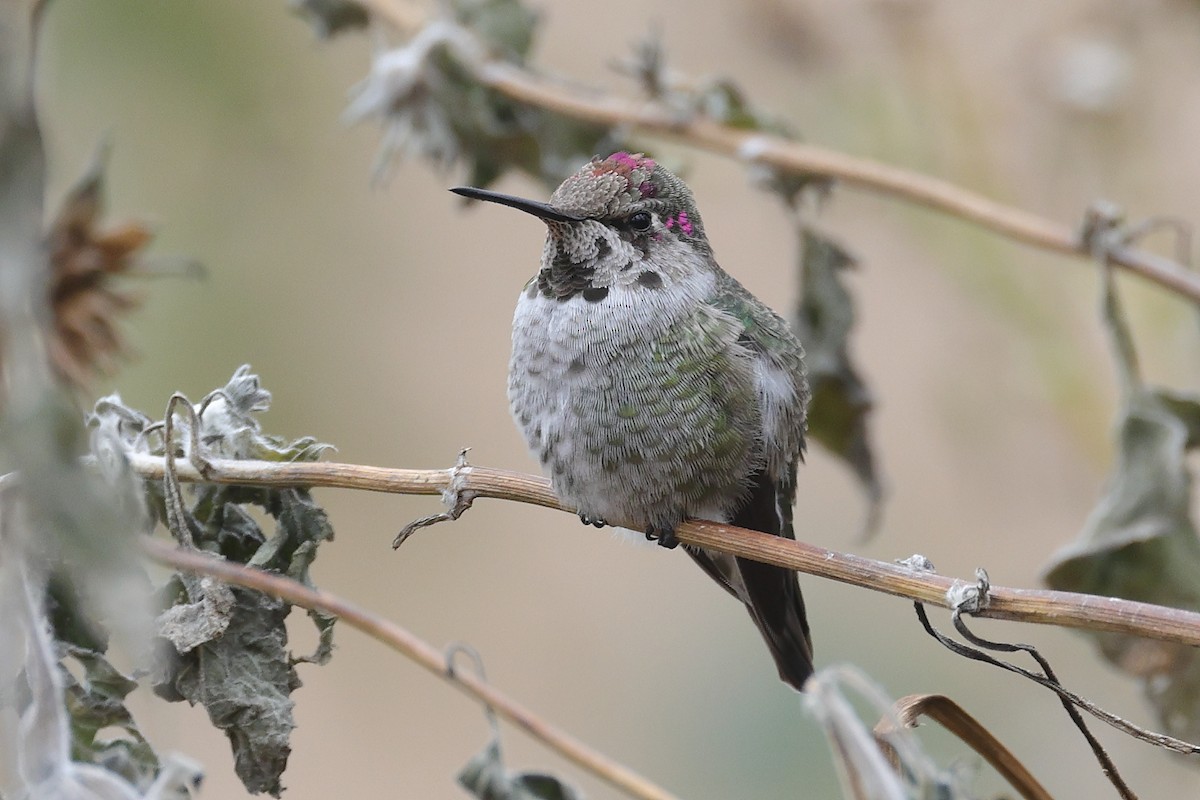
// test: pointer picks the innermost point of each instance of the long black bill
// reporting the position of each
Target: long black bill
(543, 210)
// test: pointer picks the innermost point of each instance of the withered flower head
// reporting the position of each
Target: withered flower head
(84, 301)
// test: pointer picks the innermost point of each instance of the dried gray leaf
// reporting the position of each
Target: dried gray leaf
(410, 90)
(647, 64)
(863, 768)
(1140, 543)
(431, 105)
(244, 680)
(71, 621)
(230, 428)
(507, 27)
(725, 102)
(98, 704)
(841, 402)
(60, 751)
(179, 779)
(189, 625)
(486, 778)
(82, 520)
(308, 526)
(227, 648)
(331, 17)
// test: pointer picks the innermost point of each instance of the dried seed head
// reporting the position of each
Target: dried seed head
(84, 301)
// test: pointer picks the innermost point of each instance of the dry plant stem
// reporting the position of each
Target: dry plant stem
(908, 711)
(1063, 609)
(423, 653)
(796, 158)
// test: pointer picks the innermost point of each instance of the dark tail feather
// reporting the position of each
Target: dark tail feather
(777, 608)
(771, 594)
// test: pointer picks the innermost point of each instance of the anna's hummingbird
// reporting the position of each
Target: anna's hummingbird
(654, 387)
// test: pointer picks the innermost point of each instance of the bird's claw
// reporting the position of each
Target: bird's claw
(664, 536)
(595, 522)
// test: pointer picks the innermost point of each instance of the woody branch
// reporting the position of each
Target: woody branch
(417, 650)
(1044, 607)
(795, 158)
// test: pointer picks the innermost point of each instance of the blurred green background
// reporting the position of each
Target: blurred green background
(379, 319)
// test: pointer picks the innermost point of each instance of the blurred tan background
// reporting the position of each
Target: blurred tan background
(379, 319)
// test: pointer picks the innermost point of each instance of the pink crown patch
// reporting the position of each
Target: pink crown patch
(634, 167)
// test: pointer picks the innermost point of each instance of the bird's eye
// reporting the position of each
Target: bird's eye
(640, 221)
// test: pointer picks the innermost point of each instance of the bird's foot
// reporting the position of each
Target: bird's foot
(664, 536)
(595, 522)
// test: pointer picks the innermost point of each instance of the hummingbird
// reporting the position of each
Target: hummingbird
(653, 387)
